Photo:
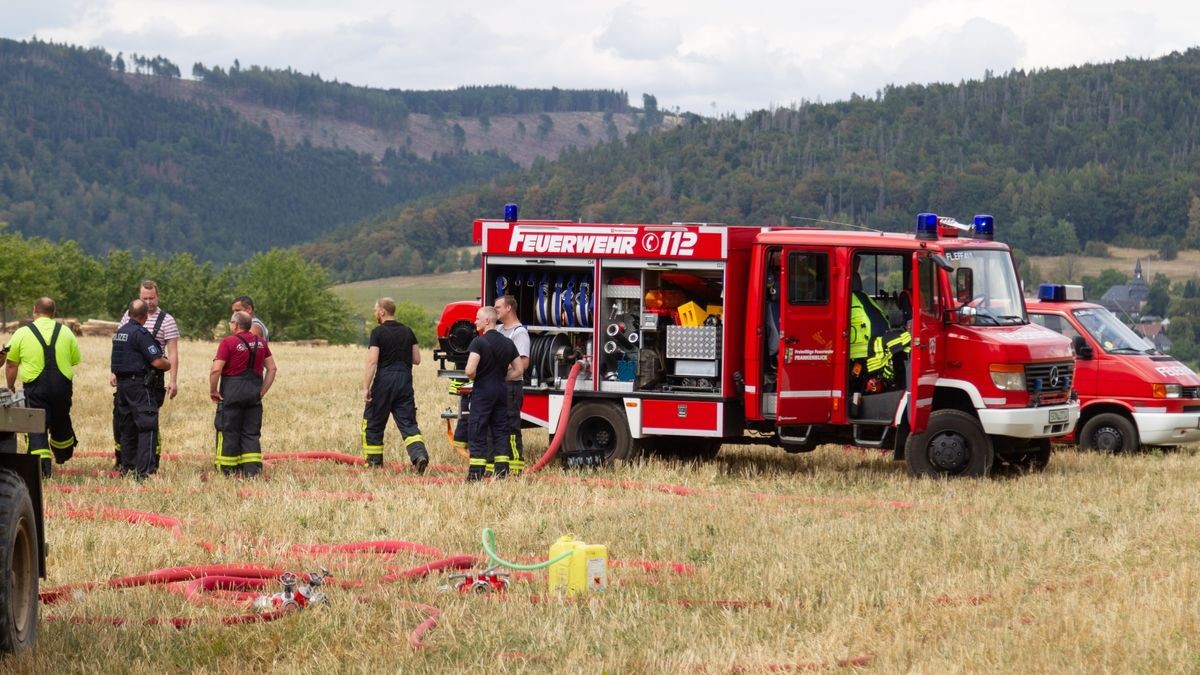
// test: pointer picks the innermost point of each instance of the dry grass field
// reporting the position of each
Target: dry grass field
(1072, 269)
(756, 562)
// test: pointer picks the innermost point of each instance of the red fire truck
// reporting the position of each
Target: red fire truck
(1130, 393)
(697, 335)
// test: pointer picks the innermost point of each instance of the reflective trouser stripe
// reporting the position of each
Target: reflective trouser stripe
(44, 453)
(223, 460)
(250, 458)
(478, 461)
(62, 445)
(413, 439)
(517, 463)
(369, 449)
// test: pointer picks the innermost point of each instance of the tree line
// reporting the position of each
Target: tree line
(290, 294)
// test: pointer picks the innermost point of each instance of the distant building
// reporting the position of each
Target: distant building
(1154, 330)
(1125, 300)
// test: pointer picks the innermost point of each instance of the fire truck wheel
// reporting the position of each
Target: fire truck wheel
(18, 565)
(952, 445)
(599, 428)
(1109, 432)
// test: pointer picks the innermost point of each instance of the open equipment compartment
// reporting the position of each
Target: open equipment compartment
(556, 301)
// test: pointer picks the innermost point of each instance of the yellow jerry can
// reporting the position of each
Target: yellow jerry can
(584, 571)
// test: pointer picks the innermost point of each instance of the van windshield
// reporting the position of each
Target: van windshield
(1107, 330)
(990, 290)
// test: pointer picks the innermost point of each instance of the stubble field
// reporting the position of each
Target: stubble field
(756, 562)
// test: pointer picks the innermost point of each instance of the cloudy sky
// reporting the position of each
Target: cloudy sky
(705, 56)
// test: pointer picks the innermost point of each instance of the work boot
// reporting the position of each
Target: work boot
(62, 455)
(375, 461)
(251, 470)
(231, 470)
(420, 465)
(474, 473)
(47, 467)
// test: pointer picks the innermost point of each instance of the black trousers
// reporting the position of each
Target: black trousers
(515, 398)
(52, 392)
(238, 423)
(392, 395)
(137, 416)
(489, 427)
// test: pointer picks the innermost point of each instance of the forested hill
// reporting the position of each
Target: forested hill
(1061, 157)
(118, 152)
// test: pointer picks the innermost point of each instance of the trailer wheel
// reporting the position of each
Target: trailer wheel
(18, 565)
(1109, 432)
(597, 427)
(953, 444)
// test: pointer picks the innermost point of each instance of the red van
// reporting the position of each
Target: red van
(1130, 393)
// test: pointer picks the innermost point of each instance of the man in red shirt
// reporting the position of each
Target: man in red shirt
(241, 375)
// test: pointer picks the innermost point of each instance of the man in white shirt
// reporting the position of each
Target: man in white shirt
(165, 331)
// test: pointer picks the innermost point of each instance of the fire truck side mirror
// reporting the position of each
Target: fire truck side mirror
(1082, 349)
(964, 285)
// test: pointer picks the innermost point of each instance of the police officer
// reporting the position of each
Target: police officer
(493, 359)
(44, 356)
(135, 358)
(387, 387)
(165, 330)
(511, 327)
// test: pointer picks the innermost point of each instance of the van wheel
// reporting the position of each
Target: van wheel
(598, 428)
(953, 444)
(18, 565)
(1109, 432)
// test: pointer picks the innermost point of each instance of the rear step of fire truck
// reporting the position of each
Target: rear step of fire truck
(882, 428)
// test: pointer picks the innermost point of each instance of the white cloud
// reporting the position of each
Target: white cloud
(742, 56)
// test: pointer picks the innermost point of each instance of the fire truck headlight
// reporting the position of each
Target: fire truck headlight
(1167, 390)
(1008, 376)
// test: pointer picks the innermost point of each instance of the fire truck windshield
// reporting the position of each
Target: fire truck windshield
(986, 288)
(1108, 331)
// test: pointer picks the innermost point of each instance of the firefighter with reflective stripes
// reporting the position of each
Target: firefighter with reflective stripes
(493, 359)
(242, 373)
(135, 358)
(460, 387)
(387, 388)
(511, 327)
(44, 355)
(872, 342)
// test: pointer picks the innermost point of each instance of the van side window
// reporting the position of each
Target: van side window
(1055, 323)
(808, 278)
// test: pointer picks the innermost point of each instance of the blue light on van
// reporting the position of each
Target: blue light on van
(1060, 292)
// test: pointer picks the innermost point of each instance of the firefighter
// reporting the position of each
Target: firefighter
(511, 327)
(462, 435)
(242, 373)
(135, 358)
(388, 390)
(44, 355)
(872, 342)
(493, 360)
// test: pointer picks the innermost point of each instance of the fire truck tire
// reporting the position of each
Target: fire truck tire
(1109, 432)
(18, 565)
(599, 427)
(953, 444)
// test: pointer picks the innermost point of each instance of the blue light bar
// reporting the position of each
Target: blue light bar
(985, 227)
(927, 226)
(1051, 292)
(510, 212)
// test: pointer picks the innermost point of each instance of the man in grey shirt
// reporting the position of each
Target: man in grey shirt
(511, 327)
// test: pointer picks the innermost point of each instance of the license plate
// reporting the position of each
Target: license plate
(1060, 415)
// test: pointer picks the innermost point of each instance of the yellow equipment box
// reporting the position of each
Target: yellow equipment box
(584, 571)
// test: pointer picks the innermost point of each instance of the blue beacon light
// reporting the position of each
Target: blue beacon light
(985, 227)
(510, 212)
(927, 226)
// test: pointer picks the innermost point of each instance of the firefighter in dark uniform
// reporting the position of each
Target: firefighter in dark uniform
(44, 355)
(493, 359)
(135, 358)
(387, 387)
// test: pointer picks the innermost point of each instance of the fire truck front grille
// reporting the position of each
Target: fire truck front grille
(1050, 383)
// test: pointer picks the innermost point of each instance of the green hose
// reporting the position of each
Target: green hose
(489, 547)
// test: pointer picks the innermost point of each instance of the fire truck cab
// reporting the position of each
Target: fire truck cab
(700, 334)
(1130, 393)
